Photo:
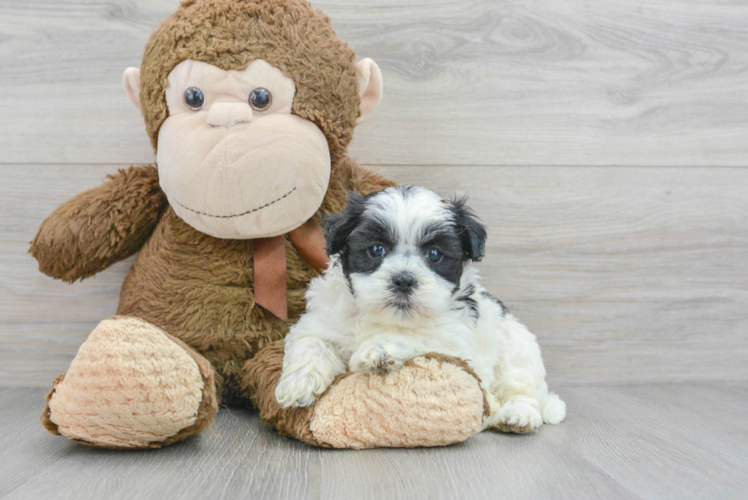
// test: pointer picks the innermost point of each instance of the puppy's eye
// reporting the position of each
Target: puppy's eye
(194, 98)
(377, 251)
(260, 99)
(433, 255)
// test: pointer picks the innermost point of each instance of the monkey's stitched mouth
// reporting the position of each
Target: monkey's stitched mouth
(256, 209)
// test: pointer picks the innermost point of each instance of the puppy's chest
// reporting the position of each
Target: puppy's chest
(447, 336)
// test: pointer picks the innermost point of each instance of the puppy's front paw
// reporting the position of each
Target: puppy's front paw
(301, 387)
(519, 416)
(379, 358)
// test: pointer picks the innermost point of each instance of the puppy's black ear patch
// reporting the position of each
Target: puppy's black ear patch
(338, 227)
(472, 233)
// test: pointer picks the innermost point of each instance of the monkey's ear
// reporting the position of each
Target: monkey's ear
(369, 87)
(131, 82)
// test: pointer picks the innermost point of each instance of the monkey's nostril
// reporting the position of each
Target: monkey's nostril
(404, 282)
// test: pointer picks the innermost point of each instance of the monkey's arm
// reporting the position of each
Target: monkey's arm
(365, 181)
(99, 227)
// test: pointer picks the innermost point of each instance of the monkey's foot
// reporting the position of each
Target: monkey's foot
(132, 385)
(432, 400)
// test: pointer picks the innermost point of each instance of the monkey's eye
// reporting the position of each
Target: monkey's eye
(260, 99)
(194, 98)
(377, 251)
(433, 254)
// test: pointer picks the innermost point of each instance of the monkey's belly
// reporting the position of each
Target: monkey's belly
(200, 289)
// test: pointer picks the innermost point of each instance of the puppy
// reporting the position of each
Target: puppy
(401, 284)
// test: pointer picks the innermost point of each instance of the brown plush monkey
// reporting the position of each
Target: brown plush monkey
(250, 106)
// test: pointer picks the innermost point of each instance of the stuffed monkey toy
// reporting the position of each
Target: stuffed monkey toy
(250, 106)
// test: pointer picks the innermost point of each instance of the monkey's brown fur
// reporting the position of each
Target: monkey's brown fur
(101, 226)
(196, 287)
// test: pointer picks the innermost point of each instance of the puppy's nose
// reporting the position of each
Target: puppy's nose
(404, 282)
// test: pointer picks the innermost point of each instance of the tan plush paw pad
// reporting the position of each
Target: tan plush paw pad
(129, 386)
(428, 402)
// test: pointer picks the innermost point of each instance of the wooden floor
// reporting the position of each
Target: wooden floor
(658, 441)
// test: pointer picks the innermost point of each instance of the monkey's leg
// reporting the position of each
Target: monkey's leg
(433, 400)
(132, 385)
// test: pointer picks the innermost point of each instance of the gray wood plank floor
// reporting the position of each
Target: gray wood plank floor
(657, 441)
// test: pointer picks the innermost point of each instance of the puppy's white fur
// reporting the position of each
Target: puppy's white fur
(352, 324)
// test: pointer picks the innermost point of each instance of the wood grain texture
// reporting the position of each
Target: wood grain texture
(627, 275)
(477, 82)
(668, 441)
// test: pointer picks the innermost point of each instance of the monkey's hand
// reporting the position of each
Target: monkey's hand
(99, 227)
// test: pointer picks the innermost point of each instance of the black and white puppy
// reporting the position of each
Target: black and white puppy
(401, 284)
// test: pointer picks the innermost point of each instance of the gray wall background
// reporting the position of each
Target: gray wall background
(604, 143)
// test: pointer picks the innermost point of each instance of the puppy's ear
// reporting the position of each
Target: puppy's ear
(472, 232)
(338, 227)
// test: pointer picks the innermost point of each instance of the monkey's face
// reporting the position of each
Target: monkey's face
(232, 159)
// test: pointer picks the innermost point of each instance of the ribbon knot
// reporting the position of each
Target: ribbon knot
(271, 272)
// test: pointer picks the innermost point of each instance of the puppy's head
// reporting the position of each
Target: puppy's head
(403, 250)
